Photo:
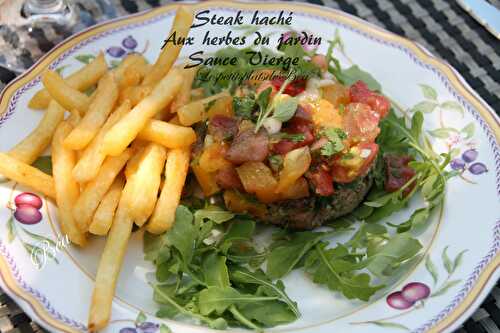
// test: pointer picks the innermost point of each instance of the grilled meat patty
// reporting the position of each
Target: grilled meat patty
(313, 211)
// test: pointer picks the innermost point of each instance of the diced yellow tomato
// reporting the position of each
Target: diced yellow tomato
(206, 180)
(299, 189)
(194, 112)
(212, 158)
(295, 164)
(258, 179)
(336, 94)
(238, 203)
(191, 113)
(324, 114)
(223, 107)
(352, 159)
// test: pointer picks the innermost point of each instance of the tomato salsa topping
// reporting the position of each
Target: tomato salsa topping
(285, 140)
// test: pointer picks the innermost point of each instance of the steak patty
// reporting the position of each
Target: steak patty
(313, 211)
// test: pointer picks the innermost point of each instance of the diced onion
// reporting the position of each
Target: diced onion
(365, 153)
(272, 125)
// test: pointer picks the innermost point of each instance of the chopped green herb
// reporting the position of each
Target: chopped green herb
(275, 162)
(334, 144)
(244, 106)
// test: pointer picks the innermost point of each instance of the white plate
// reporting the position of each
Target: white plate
(58, 294)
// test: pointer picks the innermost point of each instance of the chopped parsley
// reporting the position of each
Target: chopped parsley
(244, 106)
(334, 144)
(275, 162)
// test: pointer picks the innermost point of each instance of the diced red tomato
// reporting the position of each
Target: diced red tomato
(228, 179)
(398, 173)
(361, 123)
(283, 146)
(322, 182)
(360, 93)
(293, 88)
(300, 124)
(342, 173)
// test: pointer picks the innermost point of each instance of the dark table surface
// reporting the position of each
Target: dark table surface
(442, 26)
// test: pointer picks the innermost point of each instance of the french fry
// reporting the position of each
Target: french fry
(126, 130)
(27, 175)
(32, 146)
(123, 72)
(181, 26)
(166, 134)
(104, 214)
(133, 163)
(194, 112)
(175, 120)
(95, 190)
(142, 190)
(99, 110)
(67, 189)
(92, 157)
(184, 95)
(109, 269)
(133, 75)
(176, 170)
(163, 114)
(74, 118)
(135, 94)
(69, 98)
(80, 80)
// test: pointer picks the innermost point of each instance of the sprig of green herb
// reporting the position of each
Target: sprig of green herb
(277, 108)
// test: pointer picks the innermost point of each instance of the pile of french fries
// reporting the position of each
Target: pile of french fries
(110, 151)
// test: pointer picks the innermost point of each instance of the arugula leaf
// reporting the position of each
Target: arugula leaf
(215, 271)
(354, 74)
(285, 255)
(285, 109)
(242, 275)
(212, 213)
(183, 234)
(328, 268)
(271, 313)
(175, 308)
(398, 249)
(219, 299)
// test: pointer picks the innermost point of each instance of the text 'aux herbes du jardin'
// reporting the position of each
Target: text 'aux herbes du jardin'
(230, 39)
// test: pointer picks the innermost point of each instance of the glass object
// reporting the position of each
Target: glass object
(32, 27)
